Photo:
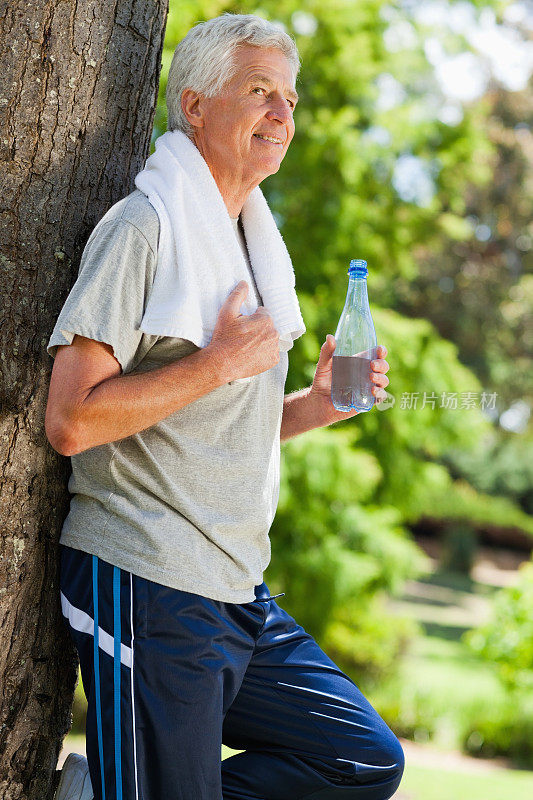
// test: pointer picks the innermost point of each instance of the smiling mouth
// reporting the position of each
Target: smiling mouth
(271, 139)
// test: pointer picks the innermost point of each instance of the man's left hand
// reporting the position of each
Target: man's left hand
(321, 389)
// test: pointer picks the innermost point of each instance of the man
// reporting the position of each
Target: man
(170, 403)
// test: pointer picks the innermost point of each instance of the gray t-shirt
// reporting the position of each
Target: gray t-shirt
(188, 502)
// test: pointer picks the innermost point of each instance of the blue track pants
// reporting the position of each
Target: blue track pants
(169, 676)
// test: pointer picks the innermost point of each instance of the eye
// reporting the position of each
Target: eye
(291, 102)
(258, 89)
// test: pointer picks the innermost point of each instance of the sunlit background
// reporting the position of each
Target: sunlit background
(403, 536)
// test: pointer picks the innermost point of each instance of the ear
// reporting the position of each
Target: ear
(192, 107)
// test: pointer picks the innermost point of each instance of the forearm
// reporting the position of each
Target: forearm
(301, 412)
(125, 405)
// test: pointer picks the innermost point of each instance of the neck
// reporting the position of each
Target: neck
(234, 197)
(231, 184)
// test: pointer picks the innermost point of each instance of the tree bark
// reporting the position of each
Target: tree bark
(78, 91)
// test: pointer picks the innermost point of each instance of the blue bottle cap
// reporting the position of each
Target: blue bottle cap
(358, 268)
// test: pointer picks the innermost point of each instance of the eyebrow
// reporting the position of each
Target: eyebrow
(265, 79)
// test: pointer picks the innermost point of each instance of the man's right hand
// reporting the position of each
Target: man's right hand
(244, 345)
(91, 402)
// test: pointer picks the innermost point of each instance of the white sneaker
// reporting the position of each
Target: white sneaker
(75, 781)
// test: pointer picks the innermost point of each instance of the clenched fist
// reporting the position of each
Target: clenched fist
(244, 345)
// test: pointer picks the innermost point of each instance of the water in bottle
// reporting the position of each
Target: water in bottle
(351, 387)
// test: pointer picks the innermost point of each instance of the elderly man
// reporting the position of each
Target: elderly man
(167, 392)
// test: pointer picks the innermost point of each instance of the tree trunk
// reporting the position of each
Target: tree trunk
(78, 92)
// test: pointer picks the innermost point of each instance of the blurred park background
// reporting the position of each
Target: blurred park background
(403, 536)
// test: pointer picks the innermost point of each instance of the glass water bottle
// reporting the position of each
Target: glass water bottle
(351, 387)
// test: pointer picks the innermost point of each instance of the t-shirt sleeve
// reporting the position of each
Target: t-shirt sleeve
(107, 301)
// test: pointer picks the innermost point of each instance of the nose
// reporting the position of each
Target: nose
(280, 110)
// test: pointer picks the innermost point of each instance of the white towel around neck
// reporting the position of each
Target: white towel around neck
(199, 260)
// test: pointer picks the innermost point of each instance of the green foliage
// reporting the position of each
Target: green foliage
(410, 439)
(500, 465)
(444, 499)
(408, 710)
(476, 286)
(501, 729)
(331, 548)
(367, 642)
(507, 640)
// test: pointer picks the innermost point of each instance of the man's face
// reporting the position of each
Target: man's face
(257, 102)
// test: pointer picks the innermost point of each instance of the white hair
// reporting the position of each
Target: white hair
(204, 59)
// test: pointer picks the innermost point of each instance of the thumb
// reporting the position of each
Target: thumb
(232, 305)
(326, 353)
(328, 348)
(330, 341)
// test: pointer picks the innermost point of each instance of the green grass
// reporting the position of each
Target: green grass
(449, 671)
(425, 783)
(441, 683)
